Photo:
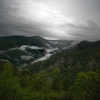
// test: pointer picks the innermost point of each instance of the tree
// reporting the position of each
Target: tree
(86, 86)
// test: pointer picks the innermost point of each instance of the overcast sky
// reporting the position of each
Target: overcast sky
(54, 19)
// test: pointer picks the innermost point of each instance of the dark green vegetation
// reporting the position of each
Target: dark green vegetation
(20, 57)
(68, 75)
(11, 48)
(17, 41)
(22, 50)
(8, 42)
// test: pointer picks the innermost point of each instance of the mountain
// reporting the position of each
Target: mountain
(71, 74)
(83, 56)
(63, 44)
(21, 50)
(8, 42)
(88, 44)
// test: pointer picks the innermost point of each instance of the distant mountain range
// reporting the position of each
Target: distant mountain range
(21, 50)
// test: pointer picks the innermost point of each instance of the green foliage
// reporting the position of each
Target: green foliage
(9, 85)
(86, 86)
(73, 76)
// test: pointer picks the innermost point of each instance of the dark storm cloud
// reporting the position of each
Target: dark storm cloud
(89, 31)
(16, 21)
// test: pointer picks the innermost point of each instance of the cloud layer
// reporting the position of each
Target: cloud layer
(30, 17)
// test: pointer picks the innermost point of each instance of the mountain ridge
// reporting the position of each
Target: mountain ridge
(22, 49)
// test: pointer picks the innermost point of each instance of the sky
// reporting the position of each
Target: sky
(52, 19)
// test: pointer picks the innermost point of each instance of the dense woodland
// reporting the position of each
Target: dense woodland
(65, 76)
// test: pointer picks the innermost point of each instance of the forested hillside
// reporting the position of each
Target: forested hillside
(23, 50)
(68, 75)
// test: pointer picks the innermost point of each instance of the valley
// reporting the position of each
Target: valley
(62, 70)
(25, 50)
